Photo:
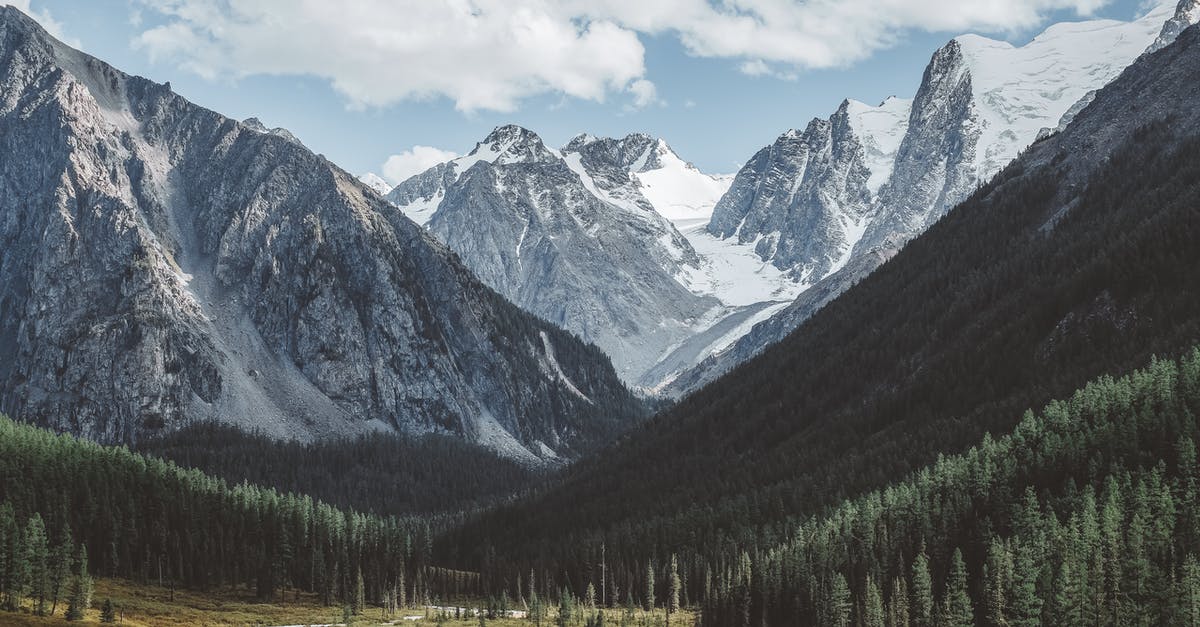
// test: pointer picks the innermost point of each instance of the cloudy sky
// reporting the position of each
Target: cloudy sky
(392, 86)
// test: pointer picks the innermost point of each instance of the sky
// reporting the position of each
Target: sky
(395, 86)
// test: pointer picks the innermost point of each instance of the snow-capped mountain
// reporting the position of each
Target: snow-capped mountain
(162, 264)
(376, 182)
(804, 201)
(569, 236)
(832, 202)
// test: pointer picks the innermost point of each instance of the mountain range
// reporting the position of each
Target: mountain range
(739, 262)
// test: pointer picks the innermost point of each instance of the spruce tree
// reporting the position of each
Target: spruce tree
(81, 587)
(838, 604)
(60, 567)
(897, 603)
(108, 614)
(673, 588)
(873, 615)
(921, 608)
(37, 556)
(958, 610)
(648, 599)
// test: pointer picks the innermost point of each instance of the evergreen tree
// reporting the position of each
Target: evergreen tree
(80, 598)
(838, 605)
(921, 608)
(1190, 592)
(873, 615)
(673, 584)
(60, 566)
(897, 604)
(648, 599)
(108, 614)
(958, 610)
(360, 601)
(37, 557)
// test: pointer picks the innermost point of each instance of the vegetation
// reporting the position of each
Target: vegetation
(386, 474)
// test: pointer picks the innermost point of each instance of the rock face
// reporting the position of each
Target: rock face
(980, 103)
(803, 201)
(160, 264)
(569, 236)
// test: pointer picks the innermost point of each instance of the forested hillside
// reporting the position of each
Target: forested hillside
(1077, 260)
(381, 473)
(150, 521)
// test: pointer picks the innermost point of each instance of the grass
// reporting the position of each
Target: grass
(151, 606)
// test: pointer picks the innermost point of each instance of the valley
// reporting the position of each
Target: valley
(928, 363)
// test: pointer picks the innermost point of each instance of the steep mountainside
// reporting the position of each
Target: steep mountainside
(980, 103)
(1076, 260)
(161, 264)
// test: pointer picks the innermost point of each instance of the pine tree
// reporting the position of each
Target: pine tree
(673, 588)
(873, 615)
(60, 567)
(108, 614)
(897, 604)
(648, 600)
(1190, 592)
(996, 576)
(838, 604)
(16, 571)
(80, 598)
(38, 557)
(360, 601)
(921, 608)
(958, 611)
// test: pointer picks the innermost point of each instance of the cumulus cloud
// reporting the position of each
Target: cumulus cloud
(491, 54)
(399, 167)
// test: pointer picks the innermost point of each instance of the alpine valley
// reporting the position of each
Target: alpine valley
(933, 362)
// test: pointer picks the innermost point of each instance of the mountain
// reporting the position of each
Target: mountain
(1075, 261)
(161, 264)
(582, 237)
(376, 182)
(803, 202)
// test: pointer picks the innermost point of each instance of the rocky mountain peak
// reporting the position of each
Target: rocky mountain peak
(512, 144)
(1187, 12)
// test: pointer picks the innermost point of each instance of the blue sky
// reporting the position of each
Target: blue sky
(710, 98)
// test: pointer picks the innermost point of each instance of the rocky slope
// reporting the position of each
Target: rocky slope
(161, 264)
(804, 204)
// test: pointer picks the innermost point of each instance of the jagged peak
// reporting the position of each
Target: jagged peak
(511, 143)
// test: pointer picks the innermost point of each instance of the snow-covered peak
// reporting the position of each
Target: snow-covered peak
(880, 129)
(508, 144)
(376, 182)
(1019, 90)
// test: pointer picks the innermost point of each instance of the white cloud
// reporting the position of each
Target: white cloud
(491, 54)
(644, 93)
(399, 167)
